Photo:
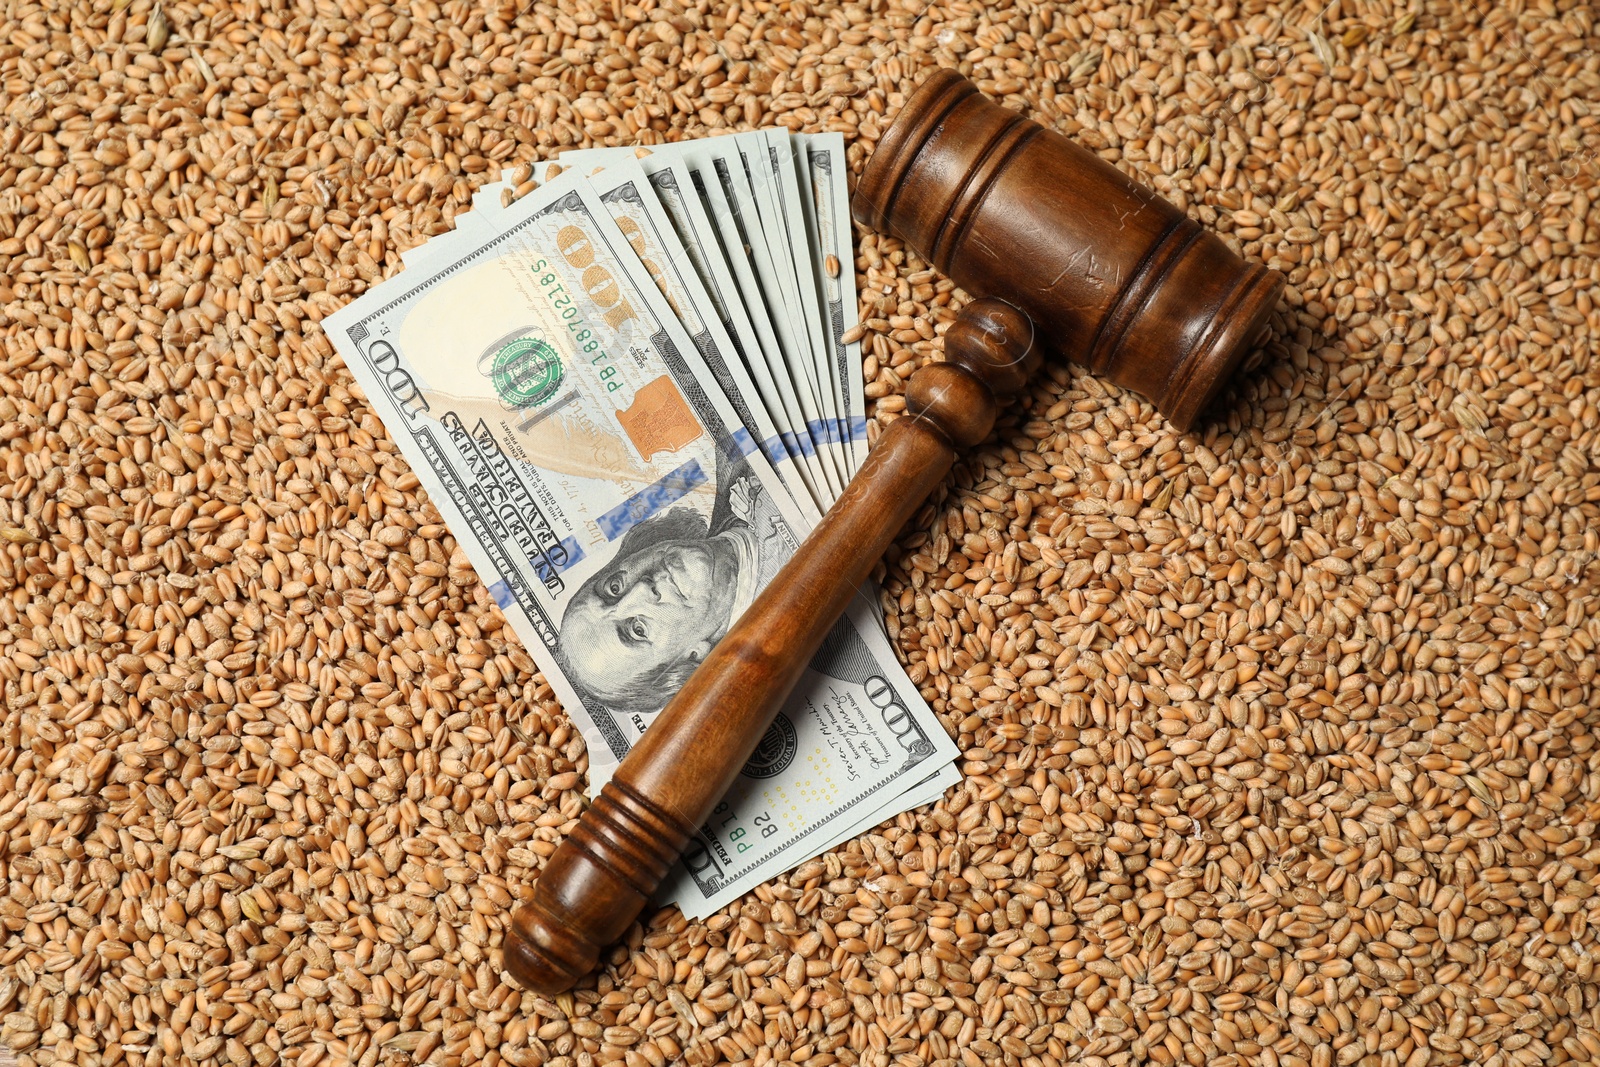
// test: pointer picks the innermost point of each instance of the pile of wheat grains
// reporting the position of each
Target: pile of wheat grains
(1279, 738)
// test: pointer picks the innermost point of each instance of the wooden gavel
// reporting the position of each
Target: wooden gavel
(1095, 266)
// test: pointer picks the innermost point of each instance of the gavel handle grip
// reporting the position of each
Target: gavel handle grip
(599, 879)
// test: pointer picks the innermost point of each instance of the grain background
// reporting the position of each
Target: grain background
(1279, 738)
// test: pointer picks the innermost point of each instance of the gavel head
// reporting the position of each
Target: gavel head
(1113, 276)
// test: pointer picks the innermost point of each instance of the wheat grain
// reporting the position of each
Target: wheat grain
(1278, 738)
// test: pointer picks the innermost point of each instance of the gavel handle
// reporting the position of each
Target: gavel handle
(599, 879)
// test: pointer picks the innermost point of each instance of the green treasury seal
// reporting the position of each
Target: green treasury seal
(525, 372)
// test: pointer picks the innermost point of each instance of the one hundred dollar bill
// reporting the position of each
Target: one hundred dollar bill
(720, 215)
(630, 197)
(783, 154)
(684, 196)
(834, 262)
(716, 228)
(757, 213)
(569, 431)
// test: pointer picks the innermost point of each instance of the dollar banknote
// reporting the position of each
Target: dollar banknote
(631, 198)
(744, 169)
(566, 424)
(778, 151)
(832, 257)
(685, 197)
(760, 190)
(713, 228)
(682, 197)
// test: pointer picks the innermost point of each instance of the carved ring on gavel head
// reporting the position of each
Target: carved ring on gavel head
(1105, 270)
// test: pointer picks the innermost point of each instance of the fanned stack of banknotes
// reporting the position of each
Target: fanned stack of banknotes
(630, 395)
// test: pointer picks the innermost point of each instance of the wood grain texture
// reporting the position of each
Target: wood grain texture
(602, 875)
(1113, 275)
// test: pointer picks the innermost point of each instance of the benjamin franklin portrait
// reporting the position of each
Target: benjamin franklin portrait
(636, 629)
